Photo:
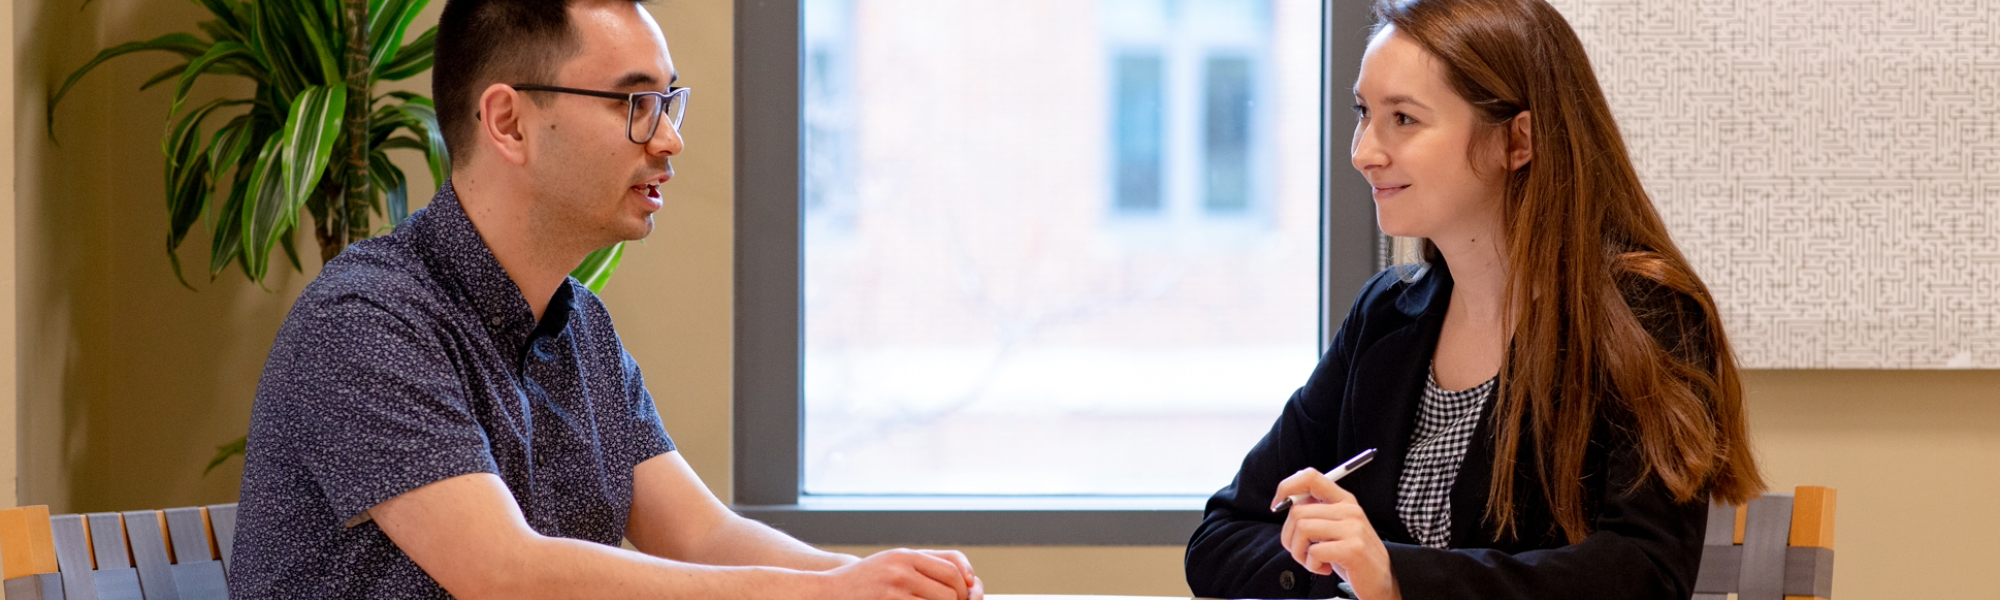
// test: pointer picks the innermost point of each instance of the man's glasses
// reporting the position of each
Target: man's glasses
(643, 109)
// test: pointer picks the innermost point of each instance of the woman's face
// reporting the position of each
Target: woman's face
(1412, 142)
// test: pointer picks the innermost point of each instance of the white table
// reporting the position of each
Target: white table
(1080, 597)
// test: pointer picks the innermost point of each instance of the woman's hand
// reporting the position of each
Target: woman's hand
(1329, 534)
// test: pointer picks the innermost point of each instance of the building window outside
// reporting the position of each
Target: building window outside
(982, 324)
(828, 117)
(1139, 80)
(1226, 139)
(1210, 54)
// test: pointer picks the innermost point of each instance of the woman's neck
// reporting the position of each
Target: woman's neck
(1473, 342)
(1478, 273)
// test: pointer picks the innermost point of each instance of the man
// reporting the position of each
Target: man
(445, 413)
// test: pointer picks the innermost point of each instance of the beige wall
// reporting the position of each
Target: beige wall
(126, 381)
(9, 441)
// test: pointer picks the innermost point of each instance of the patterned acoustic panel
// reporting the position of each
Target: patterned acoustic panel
(1832, 168)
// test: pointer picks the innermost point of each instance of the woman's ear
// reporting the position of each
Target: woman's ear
(1520, 141)
(500, 122)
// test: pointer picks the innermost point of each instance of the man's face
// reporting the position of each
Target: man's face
(592, 185)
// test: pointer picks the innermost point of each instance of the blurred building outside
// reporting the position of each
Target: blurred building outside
(1055, 247)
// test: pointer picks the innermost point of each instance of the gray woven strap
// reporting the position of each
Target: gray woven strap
(1809, 572)
(1766, 532)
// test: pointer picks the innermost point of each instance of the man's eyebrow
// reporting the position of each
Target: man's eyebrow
(636, 79)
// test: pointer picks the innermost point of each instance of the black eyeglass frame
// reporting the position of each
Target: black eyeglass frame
(631, 105)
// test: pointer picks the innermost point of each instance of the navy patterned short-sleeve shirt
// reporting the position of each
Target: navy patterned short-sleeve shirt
(413, 358)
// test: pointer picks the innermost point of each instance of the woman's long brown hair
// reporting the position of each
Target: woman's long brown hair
(1578, 226)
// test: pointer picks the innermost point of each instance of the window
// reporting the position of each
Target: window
(1186, 75)
(828, 116)
(1226, 138)
(974, 352)
(1140, 81)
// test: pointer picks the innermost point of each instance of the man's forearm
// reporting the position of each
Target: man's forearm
(555, 568)
(741, 541)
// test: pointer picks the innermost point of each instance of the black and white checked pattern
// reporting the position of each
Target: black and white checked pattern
(1445, 422)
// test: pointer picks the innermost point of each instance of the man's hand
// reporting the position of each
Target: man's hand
(903, 574)
(1329, 534)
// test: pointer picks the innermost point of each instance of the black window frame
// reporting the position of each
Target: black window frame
(768, 329)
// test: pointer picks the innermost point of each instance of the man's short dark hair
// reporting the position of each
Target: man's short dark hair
(483, 42)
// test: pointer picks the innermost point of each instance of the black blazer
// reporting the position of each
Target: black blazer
(1364, 394)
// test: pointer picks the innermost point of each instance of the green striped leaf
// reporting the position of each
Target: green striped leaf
(227, 245)
(228, 146)
(188, 128)
(412, 98)
(424, 123)
(218, 30)
(226, 19)
(235, 147)
(421, 120)
(320, 24)
(402, 142)
(394, 185)
(309, 136)
(388, 21)
(223, 452)
(413, 58)
(163, 75)
(187, 176)
(597, 267)
(200, 65)
(305, 146)
(184, 44)
(276, 37)
(286, 241)
(188, 189)
(277, 160)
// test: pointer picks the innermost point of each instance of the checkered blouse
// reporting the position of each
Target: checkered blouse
(1445, 422)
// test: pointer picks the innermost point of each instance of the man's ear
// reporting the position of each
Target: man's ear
(1520, 141)
(500, 123)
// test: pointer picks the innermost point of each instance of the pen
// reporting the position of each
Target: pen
(1350, 466)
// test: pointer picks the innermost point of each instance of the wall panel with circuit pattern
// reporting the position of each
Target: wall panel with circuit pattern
(1832, 168)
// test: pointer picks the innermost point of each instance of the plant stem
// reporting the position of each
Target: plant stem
(347, 213)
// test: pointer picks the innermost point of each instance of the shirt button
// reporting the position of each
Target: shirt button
(1287, 581)
(495, 321)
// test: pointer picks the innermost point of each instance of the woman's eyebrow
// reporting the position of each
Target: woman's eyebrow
(1404, 99)
(1392, 100)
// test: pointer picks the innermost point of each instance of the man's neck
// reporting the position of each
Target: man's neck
(501, 212)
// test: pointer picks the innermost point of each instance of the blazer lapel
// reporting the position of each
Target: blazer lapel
(1383, 395)
(1468, 491)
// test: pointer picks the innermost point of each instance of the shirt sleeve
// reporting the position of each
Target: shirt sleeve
(649, 435)
(1235, 552)
(376, 406)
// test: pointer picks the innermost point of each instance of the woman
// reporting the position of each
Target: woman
(1553, 398)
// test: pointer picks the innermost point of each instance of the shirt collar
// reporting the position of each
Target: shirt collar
(1431, 292)
(461, 260)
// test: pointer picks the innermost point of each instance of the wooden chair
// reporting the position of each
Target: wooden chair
(1780, 546)
(173, 554)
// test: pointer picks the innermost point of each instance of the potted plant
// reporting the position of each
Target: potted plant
(313, 135)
